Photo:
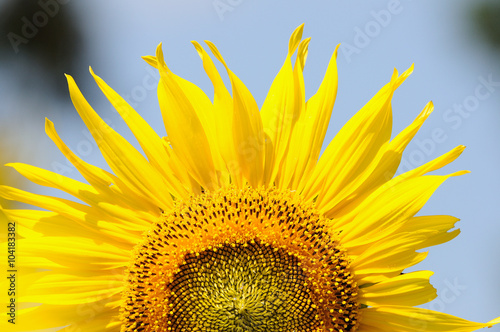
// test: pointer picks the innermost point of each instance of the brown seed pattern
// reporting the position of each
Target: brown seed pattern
(240, 260)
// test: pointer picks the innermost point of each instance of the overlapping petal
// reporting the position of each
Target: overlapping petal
(408, 289)
(409, 319)
(356, 145)
(125, 161)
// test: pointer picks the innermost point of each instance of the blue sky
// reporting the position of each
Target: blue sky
(452, 68)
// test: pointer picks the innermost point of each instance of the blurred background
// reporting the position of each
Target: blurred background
(455, 45)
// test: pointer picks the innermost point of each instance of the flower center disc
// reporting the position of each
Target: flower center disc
(240, 260)
(242, 287)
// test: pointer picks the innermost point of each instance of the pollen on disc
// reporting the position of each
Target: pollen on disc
(240, 260)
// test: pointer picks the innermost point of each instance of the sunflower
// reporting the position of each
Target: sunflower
(235, 221)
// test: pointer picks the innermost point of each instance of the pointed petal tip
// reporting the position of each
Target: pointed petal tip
(159, 49)
(295, 39)
(198, 47)
(458, 150)
(150, 60)
(306, 41)
(47, 121)
(463, 172)
(49, 126)
(394, 76)
(493, 322)
(428, 109)
(298, 30)
(303, 48)
(159, 56)
(426, 273)
(71, 82)
(408, 71)
(216, 52)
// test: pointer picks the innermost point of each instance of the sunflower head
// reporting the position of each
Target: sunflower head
(241, 260)
(235, 221)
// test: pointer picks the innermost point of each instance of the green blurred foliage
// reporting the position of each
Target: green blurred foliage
(40, 36)
(486, 16)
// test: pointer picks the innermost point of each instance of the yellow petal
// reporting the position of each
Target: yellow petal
(408, 319)
(281, 110)
(381, 170)
(313, 123)
(52, 316)
(434, 238)
(68, 289)
(100, 179)
(104, 320)
(30, 220)
(289, 173)
(437, 226)
(406, 289)
(189, 140)
(150, 142)
(47, 178)
(93, 221)
(388, 258)
(81, 254)
(204, 110)
(34, 223)
(386, 210)
(355, 147)
(387, 182)
(223, 111)
(125, 161)
(435, 164)
(248, 134)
